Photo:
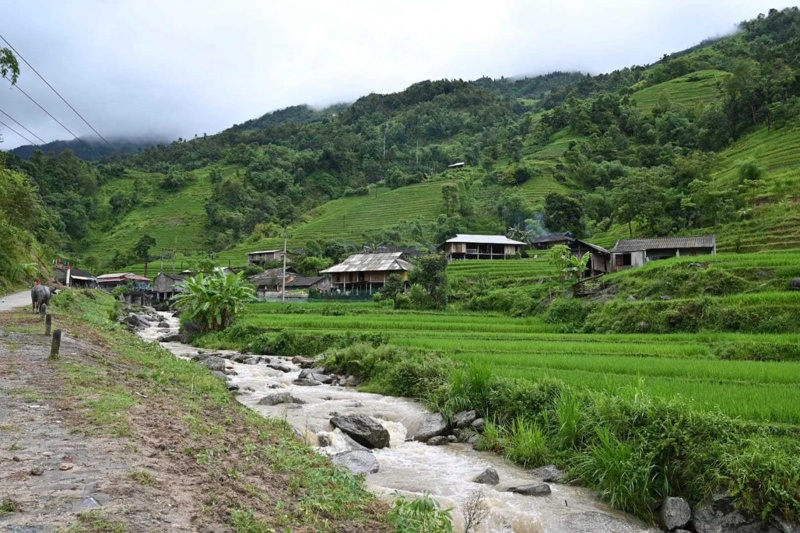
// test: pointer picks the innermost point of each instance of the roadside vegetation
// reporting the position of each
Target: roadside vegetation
(252, 473)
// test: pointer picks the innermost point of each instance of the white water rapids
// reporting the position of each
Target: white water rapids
(411, 468)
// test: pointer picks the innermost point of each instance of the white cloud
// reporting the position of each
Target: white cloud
(179, 68)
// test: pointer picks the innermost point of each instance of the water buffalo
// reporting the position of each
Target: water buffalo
(40, 294)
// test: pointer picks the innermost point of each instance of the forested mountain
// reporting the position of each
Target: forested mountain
(88, 149)
(703, 140)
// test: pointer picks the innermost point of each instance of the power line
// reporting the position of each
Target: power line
(54, 118)
(57, 93)
(18, 133)
(23, 127)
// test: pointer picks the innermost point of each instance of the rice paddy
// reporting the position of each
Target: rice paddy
(670, 365)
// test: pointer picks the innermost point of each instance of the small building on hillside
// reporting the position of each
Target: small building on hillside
(367, 272)
(261, 258)
(165, 286)
(480, 247)
(457, 166)
(69, 276)
(317, 283)
(630, 253)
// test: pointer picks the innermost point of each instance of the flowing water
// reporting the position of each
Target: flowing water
(410, 468)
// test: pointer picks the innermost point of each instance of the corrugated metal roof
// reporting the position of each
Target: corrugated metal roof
(636, 245)
(370, 263)
(484, 239)
(265, 252)
(553, 237)
(598, 249)
(121, 276)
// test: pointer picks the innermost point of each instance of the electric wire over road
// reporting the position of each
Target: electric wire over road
(16, 52)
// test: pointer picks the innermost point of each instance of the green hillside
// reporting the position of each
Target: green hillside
(692, 90)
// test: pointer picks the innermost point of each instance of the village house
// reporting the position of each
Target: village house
(271, 280)
(69, 276)
(165, 286)
(629, 253)
(261, 258)
(599, 258)
(140, 286)
(480, 247)
(317, 283)
(367, 272)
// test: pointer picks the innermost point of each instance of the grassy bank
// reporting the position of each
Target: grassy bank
(249, 474)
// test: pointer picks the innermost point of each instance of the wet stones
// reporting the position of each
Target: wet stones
(439, 440)
(432, 426)
(531, 489)
(675, 513)
(304, 362)
(279, 398)
(363, 429)
(549, 474)
(487, 477)
(357, 461)
(464, 419)
(213, 362)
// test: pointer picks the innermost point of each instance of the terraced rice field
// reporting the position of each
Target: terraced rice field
(530, 270)
(665, 365)
(692, 90)
(348, 218)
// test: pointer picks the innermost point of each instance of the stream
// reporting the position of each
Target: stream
(408, 468)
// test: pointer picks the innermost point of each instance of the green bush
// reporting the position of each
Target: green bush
(526, 444)
(420, 515)
(570, 312)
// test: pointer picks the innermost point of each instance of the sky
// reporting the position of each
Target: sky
(142, 68)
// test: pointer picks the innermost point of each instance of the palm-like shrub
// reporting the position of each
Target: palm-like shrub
(213, 301)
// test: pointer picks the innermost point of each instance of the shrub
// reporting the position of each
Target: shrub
(525, 444)
(420, 514)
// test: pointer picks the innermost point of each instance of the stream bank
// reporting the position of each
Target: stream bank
(406, 467)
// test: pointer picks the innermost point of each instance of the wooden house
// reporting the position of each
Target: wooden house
(165, 286)
(629, 253)
(69, 276)
(317, 283)
(261, 258)
(271, 280)
(139, 294)
(545, 242)
(480, 247)
(367, 272)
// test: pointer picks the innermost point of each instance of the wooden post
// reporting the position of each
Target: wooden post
(42, 311)
(48, 323)
(56, 344)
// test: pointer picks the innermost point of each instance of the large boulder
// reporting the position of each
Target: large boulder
(487, 477)
(675, 513)
(279, 398)
(720, 516)
(213, 362)
(363, 429)
(439, 440)
(432, 426)
(171, 337)
(464, 418)
(357, 461)
(549, 474)
(531, 489)
(277, 366)
(309, 372)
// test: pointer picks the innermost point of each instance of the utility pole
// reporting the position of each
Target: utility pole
(283, 281)
(385, 129)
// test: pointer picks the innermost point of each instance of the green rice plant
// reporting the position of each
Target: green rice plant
(468, 388)
(620, 475)
(525, 444)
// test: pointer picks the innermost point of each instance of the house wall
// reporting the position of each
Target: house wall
(163, 283)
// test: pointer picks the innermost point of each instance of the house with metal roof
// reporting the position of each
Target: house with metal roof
(480, 247)
(367, 272)
(70, 276)
(165, 286)
(261, 257)
(630, 253)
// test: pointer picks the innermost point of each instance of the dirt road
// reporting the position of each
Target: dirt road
(12, 301)
(52, 475)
